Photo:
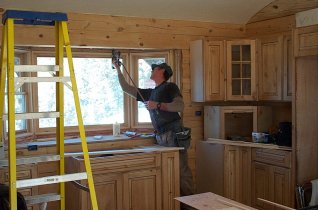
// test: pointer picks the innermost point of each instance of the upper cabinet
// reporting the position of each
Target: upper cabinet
(214, 70)
(241, 72)
(275, 67)
(270, 68)
(306, 41)
(207, 70)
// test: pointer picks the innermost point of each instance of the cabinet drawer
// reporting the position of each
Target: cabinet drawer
(120, 163)
(273, 157)
(21, 174)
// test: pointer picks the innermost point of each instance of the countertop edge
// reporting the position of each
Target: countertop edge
(246, 144)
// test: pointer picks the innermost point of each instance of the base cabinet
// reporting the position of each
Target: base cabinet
(142, 190)
(270, 179)
(237, 174)
(128, 182)
(23, 172)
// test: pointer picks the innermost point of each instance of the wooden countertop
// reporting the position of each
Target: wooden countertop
(140, 149)
(211, 201)
(246, 144)
(90, 139)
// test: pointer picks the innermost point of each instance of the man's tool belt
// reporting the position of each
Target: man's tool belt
(184, 137)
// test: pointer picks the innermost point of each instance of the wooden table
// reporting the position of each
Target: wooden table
(211, 201)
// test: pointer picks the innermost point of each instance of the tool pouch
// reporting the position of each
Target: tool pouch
(184, 137)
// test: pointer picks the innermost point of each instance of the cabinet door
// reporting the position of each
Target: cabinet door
(231, 172)
(306, 41)
(23, 172)
(270, 68)
(288, 68)
(49, 169)
(241, 75)
(142, 190)
(237, 174)
(271, 183)
(280, 186)
(260, 185)
(214, 70)
(108, 189)
(207, 70)
(170, 174)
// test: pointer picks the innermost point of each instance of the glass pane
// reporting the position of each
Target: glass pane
(236, 87)
(236, 53)
(144, 81)
(246, 70)
(246, 52)
(101, 97)
(20, 104)
(20, 107)
(246, 85)
(236, 71)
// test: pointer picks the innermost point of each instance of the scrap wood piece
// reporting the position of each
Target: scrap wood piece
(275, 204)
(211, 201)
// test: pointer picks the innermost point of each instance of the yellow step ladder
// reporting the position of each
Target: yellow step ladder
(8, 69)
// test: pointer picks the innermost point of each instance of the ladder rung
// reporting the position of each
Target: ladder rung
(41, 79)
(34, 115)
(51, 180)
(35, 159)
(42, 198)
(36, 68)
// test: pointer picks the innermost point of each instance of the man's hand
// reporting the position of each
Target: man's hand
(151, 105)
(115, 64)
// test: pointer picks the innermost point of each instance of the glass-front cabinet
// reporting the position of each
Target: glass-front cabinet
(241, 72)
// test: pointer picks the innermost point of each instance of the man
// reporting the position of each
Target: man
(164, 102)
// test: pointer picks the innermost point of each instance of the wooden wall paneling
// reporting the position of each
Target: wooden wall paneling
(269, 27)
(128, 32)
(151, 25)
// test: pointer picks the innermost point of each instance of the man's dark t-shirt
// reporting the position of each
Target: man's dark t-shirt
(164, 93)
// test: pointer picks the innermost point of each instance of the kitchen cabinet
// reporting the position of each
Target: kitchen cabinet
(128, 181)
(48, 169)
(241, 71)
(270, 68)
(23, 172)
(219, 76)
(142, 189)
(271, 178)
(306, 41)
(236, 122)
(237, 173)
(275, 67)
(207, 70)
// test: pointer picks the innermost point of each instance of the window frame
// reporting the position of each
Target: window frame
(130, 60)
(134, 57)
(77, 53)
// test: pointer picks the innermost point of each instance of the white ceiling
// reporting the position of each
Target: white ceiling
(217, 11)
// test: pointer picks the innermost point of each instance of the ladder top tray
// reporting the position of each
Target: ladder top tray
(33, 18)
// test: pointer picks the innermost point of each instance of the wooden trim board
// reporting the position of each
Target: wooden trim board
(211, 201)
